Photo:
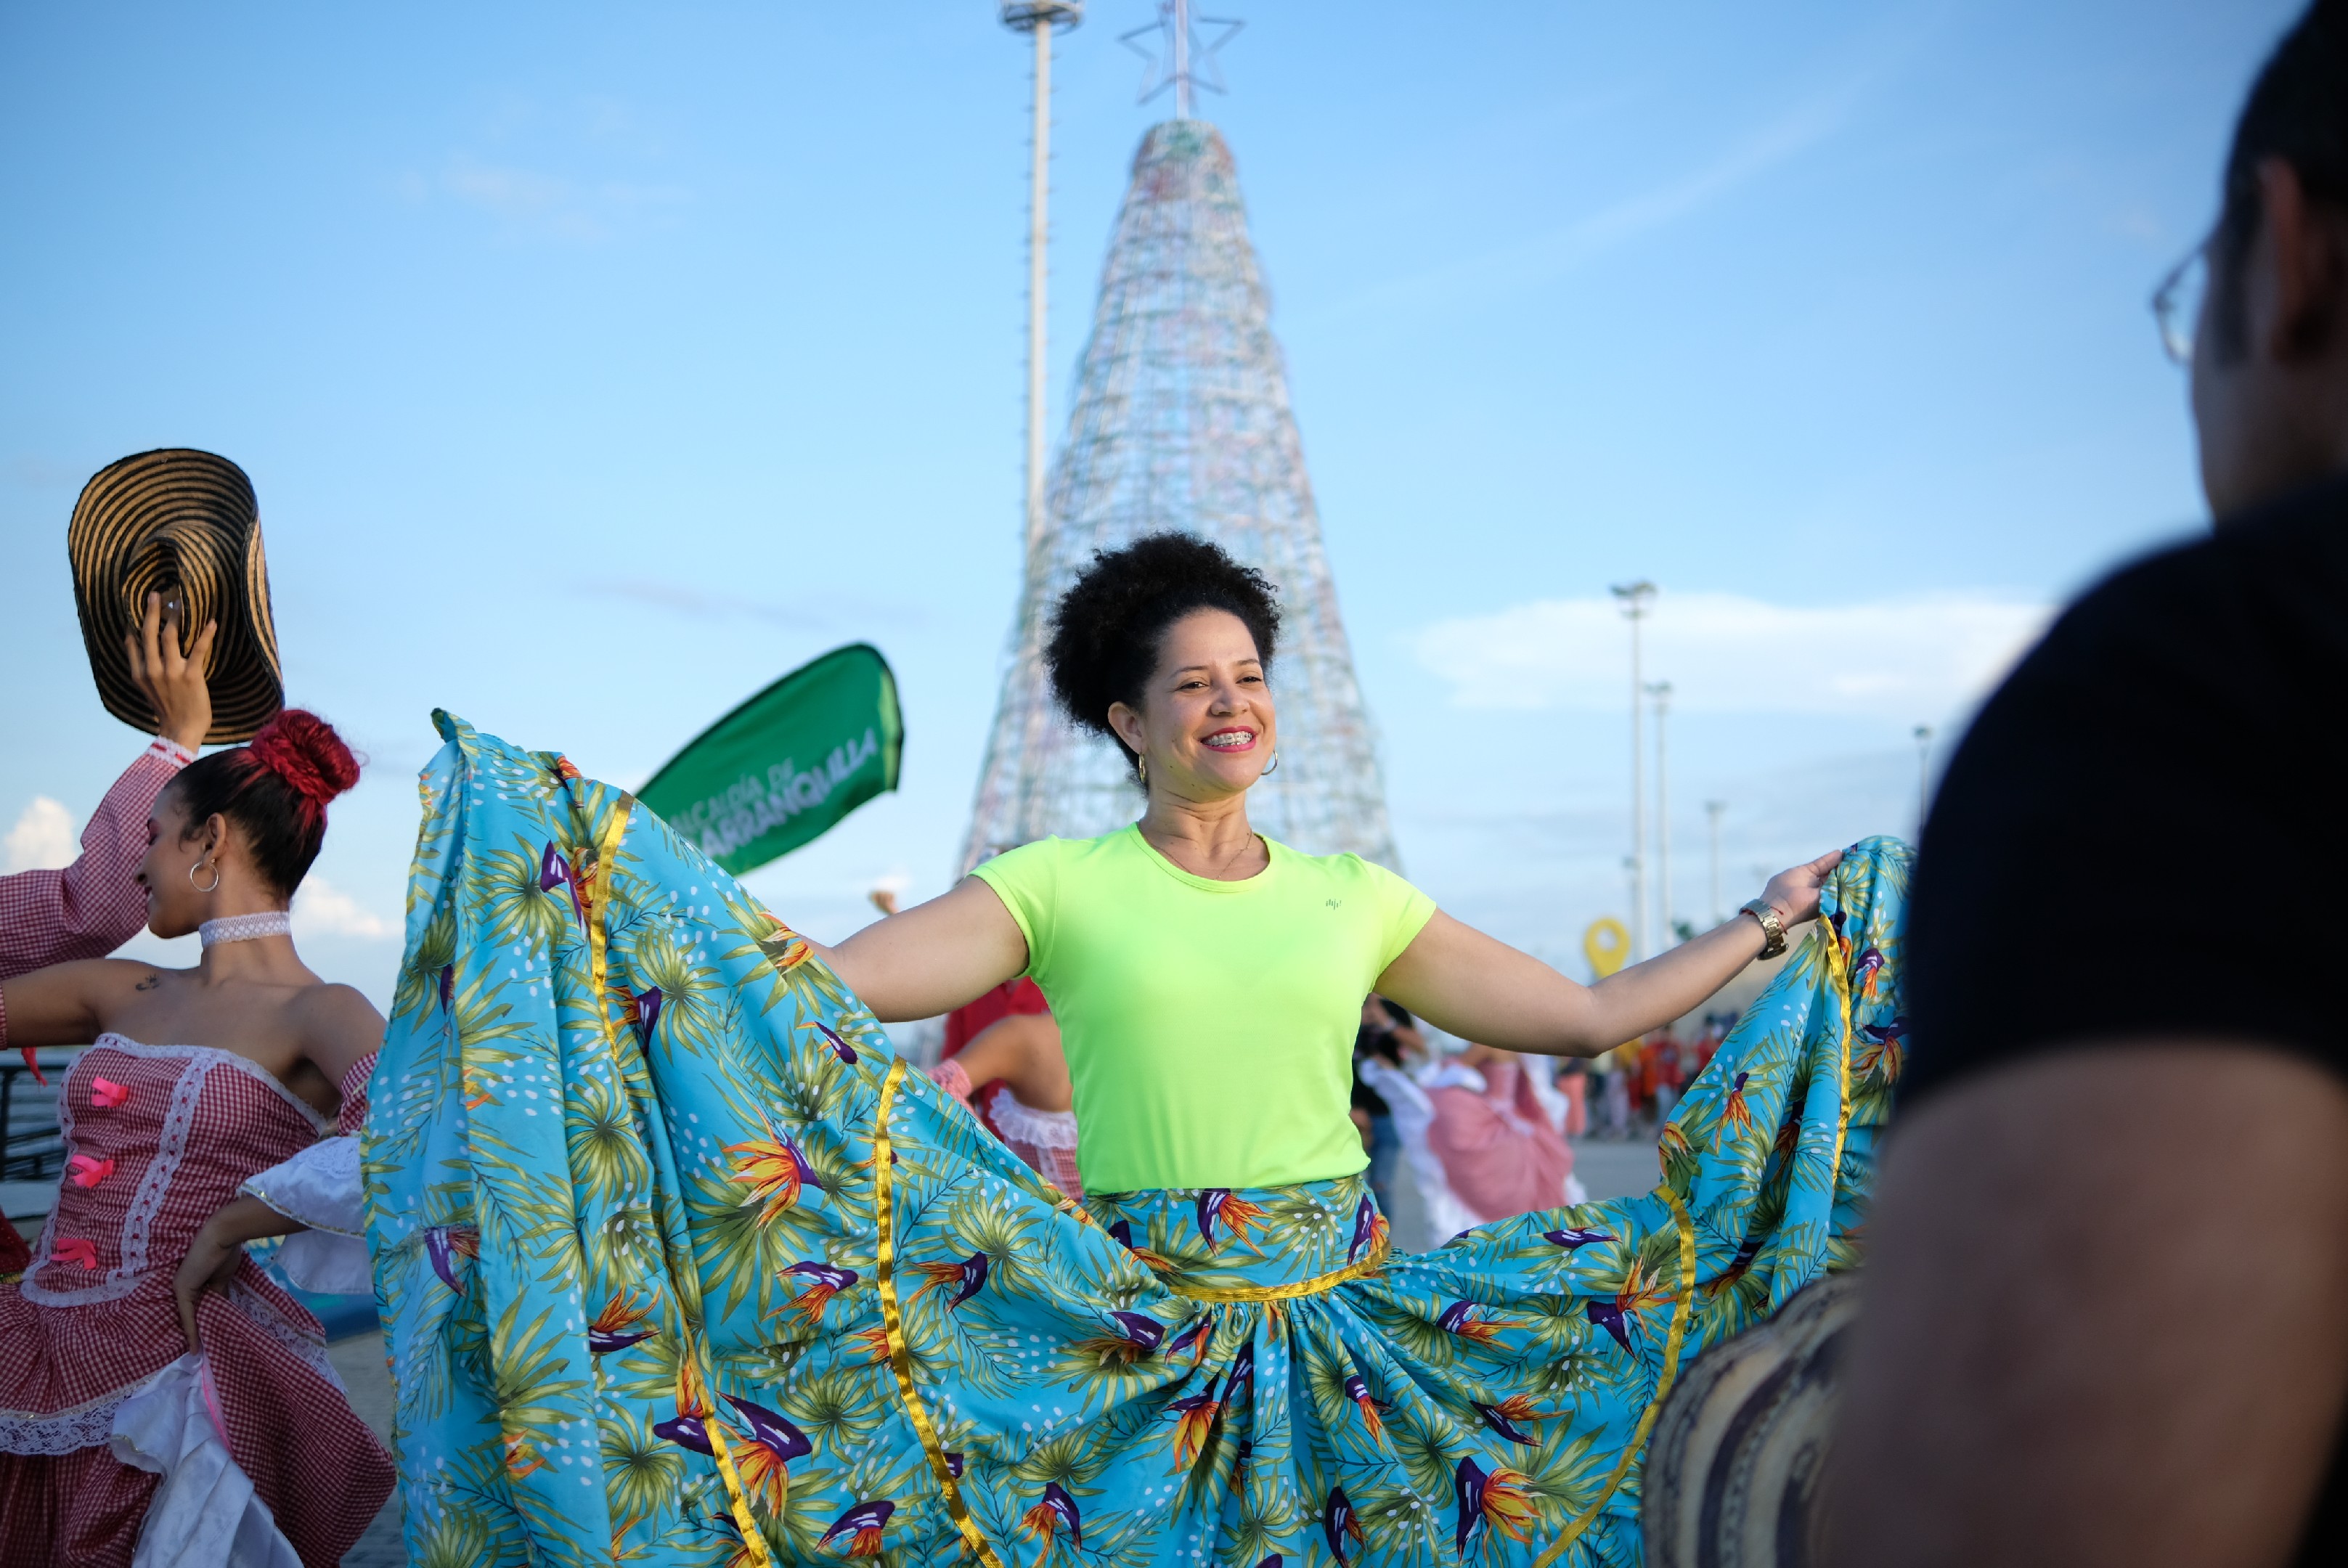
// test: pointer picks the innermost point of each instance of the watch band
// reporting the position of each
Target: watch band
(1773, 930)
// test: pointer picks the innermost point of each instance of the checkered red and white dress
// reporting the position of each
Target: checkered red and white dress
(158, 1139)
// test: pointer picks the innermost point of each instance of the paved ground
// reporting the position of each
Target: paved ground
(1613, 1169)
(359, 1361)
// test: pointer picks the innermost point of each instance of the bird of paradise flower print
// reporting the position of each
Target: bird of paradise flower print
(1463, 1319)
(1340, 1526)
(614, 1327)
(1511, 1417)
(1497, 1500)
(965, 1278)
(1226, 1211)
(860, 1527)
(1194, 1417)
(824, 1281)
(775, 1171)
(681, 1265)
(765, 1455)
(1055, 1512)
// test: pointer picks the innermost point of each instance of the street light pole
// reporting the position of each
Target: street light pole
(1923, 775)
(1713, 808)
(1662, 692)
(1038, 17)
(1635, 597)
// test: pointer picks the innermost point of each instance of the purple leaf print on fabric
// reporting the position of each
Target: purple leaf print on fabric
(1574, 1239)
(686, 1431)
(766, 1427)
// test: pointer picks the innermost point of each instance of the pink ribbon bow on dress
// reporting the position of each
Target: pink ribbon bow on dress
(84, 1171)
(106, 1094)
(75, 1249)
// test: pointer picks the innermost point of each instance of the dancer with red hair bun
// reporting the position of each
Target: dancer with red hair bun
(147, 1367)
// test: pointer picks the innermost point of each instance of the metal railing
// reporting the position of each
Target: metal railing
(32, 1147)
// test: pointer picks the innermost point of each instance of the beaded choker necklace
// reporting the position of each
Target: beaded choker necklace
(245, 927)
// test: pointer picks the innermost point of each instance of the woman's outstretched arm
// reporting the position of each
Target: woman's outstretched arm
(1479, 987)
(933, 958)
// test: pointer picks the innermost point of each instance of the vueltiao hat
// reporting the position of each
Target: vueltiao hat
(185, 519)
(1735, 1474)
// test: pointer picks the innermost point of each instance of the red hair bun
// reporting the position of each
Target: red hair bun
(303, 749)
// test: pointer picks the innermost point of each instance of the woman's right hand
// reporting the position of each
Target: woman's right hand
(174, 683)
(1793, 892)
(210, 1265)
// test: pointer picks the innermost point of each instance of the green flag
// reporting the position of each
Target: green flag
(780, 770)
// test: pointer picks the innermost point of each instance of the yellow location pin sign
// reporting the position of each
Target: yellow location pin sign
(1606, 944)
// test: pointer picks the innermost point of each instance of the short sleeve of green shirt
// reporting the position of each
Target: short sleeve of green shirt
(1407, 910)
(1026, 878)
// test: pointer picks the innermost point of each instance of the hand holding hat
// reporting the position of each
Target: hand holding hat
(174, 682)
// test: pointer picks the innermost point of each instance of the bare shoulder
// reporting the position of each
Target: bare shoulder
(337, 1023)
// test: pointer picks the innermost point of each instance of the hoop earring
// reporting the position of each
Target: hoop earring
(198, 886)
(1141, 769)
(1274, 767)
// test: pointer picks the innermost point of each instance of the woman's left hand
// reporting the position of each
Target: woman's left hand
(210, 1265)
(1794, 893)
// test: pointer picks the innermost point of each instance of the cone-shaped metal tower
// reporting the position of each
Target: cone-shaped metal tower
(1182, 421)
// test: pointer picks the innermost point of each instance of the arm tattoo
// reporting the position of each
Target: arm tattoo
(150, 983)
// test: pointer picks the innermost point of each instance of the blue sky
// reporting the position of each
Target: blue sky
(596, 364)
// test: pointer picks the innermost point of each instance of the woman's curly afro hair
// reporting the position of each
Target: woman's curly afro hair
(1108, 626)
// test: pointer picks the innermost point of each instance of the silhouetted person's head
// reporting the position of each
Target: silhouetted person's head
(2271, 349)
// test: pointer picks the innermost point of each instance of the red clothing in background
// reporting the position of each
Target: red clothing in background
(964, 1024)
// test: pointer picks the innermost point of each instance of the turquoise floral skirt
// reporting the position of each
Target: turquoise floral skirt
(681, 1264)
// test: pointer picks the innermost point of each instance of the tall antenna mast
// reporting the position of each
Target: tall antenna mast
(1180, 61)
(1038, 17)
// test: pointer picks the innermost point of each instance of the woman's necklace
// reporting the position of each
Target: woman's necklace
(245, 927)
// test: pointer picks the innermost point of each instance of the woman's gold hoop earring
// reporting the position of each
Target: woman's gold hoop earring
(198, 887)
(1273, 766)
(1141, 768)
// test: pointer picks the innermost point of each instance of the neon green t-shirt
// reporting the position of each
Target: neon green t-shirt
(1209, 1026)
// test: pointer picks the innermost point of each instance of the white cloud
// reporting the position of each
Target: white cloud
(1914, 659)
(548, 205)
(321, 910)
(42, 838)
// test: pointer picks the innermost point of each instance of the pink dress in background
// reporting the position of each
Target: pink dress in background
(159, 1139)
(1501, 1155)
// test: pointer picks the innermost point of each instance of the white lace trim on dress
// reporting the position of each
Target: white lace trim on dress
(65, 1431)
(306, 1349)
(1022, 1123)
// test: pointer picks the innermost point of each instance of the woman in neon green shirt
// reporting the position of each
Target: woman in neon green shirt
(1206, 978)
(1285, 1390)
(838, 1321)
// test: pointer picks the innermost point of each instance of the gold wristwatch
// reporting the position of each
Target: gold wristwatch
(1773, 930)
